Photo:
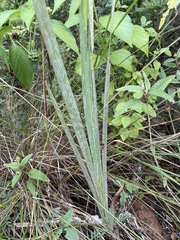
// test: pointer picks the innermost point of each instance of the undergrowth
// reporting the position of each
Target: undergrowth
(103, 163)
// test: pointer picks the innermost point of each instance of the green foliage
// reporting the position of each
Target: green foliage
(119, 58)
(21, 65)
(38, 175)
(121, 26)
(171, 4)
(21, 55)
(57, 4)
(122, 58)
(35, 174)
(70, 231)
(27, 14)
(142, 101)
(64, 34)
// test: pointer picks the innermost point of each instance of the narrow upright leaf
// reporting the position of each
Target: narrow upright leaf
(21, 65)
(31, 187)
(16, 178)
(25, 159)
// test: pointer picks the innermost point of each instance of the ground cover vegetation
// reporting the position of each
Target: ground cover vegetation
(89, 119)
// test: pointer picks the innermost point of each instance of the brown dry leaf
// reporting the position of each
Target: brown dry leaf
(148, 220)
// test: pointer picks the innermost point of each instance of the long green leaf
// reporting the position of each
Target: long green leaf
(61, 75)
(21, 65)
(64, 34)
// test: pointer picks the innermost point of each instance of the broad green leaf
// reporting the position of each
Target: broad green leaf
(137, 117)
(26, 159)
(137, 125)
(122, 58)
(162, 83)
(14, 166)
(124, 135)
(4, 57)
(131, 88)
(27, 14)
(162, 94)
(149, 110)
(123, 197)
(31, 187)
(74, 7)
(38, 175)
(124, 31)
(67, 218)
(140, 38)
(64, 34)
(5, 15)
(21, 65)
(16, 178)
(72, 21)
(116, 121)
(58, 233)
(3, 31)
(71, 234)
(126, 121)
(129, 187)
(156, 65)
(133, 133)
(123, 107)
(57, 4)
(138, 95)
(168, 53)
(137, 106)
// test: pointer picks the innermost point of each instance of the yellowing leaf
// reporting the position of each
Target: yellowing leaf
(171, 4)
